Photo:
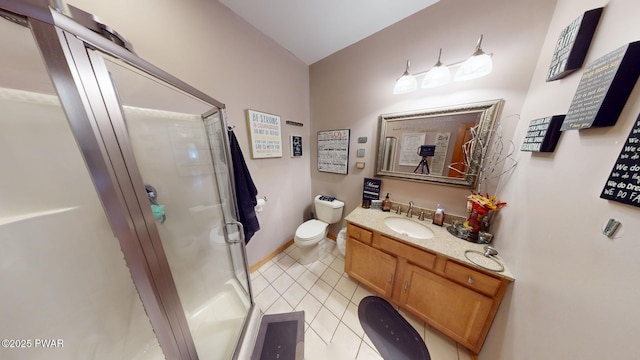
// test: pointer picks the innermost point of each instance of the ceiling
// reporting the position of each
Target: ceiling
(314, 29)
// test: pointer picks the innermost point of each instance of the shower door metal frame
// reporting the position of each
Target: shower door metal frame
(65, 47)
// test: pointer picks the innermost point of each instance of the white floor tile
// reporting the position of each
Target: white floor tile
(258, 283)
(294, 294)
(350, 318)
(463, 353)
(295, 252)
(440, 346)
(360, 293)
(367, 353)
(330, 299)
(327, 257)
(285, 261)
(266, 266)
(347, 341)
(307, 279)
(314, 346)
(272, 273)
(318, 268)
(325, 324)
(295, 270)
(267, 297)
(282, 283)
(310, 306)
(321, 290)
(279, 306)
(336, 303)
(346, 286)
(331, 277)
(338, 265)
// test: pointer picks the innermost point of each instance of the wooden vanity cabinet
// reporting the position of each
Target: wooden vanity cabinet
(458, 300)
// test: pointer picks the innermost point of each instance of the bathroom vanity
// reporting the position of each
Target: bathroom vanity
(428, 277)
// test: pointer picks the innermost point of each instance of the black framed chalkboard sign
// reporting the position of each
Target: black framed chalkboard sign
(543, 134)
(573, 44)
(623, 184)
(604, 89)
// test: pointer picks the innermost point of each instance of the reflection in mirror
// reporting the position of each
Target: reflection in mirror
(434, 145)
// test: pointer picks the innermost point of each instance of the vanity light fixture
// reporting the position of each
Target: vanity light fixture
(407, 82)
(479, 64)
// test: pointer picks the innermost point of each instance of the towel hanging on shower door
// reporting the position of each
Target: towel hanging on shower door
(246, 190)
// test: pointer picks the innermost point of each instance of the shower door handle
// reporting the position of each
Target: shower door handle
(227, 237)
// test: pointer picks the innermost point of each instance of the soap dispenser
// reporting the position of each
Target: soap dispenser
(386, 204)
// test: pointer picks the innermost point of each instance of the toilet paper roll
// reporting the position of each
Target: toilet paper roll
(260, 204)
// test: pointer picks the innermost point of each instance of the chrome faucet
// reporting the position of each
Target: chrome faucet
(399, 210)
(410, 210)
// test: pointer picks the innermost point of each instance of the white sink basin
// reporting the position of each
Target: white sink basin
(409, 228)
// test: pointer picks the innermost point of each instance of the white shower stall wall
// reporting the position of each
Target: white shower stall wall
(62, 274)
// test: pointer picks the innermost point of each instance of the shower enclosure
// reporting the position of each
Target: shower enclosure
(91, 136)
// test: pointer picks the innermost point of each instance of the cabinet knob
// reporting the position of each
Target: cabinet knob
(470, 280)
(358, 235)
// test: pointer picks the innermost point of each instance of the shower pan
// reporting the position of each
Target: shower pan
(117, 209)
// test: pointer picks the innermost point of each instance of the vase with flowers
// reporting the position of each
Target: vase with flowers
(481, 209)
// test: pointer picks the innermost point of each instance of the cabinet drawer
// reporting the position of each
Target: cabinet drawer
(419, 257)
(359, 233)
(472, 279)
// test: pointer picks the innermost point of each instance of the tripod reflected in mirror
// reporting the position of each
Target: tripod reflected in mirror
(425, 151)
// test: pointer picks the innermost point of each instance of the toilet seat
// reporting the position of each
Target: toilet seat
(311, 230)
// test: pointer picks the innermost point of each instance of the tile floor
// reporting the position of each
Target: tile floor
(330, 298)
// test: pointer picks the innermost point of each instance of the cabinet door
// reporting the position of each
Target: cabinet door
(459, 312)
(371, 267)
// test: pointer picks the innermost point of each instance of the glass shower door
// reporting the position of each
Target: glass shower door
(177, 142)
(66, 290)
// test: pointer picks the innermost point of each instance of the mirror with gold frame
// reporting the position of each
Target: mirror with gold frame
(441, 145)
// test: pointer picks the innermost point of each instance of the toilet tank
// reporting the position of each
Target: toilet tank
(328, 211)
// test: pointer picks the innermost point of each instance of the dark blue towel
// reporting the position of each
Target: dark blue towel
(246, 190)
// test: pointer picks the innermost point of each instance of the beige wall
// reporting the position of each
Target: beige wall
(351, 88)
(205, 44)
(574, 296)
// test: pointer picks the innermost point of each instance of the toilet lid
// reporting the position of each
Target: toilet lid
(310, 229)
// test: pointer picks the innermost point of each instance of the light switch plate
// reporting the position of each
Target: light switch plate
(360, 153)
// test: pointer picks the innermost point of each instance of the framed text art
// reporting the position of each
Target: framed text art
(295, 142)
(623, 184)
(265, 134)
(573, 44)
(604, 88)
(333, 151)
(543, 134)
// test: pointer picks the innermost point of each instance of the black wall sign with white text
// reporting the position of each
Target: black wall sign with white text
(623, 184)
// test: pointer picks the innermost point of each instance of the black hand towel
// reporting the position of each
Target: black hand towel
(245, 190)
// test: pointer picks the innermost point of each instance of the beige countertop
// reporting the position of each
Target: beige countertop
(442, 243)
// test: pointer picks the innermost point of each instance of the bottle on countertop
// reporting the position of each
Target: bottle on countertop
(386, 203)
(438, 216)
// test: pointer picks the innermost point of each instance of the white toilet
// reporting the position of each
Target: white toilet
(311, 232)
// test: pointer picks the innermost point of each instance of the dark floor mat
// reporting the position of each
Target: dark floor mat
(391, 334)
(281, 336)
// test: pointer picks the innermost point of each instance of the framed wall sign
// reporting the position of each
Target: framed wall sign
(604, 89)
(623, 184)
(333, 151)
(573, 44)
(295, 142)
(265, 134)
(543, 134)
